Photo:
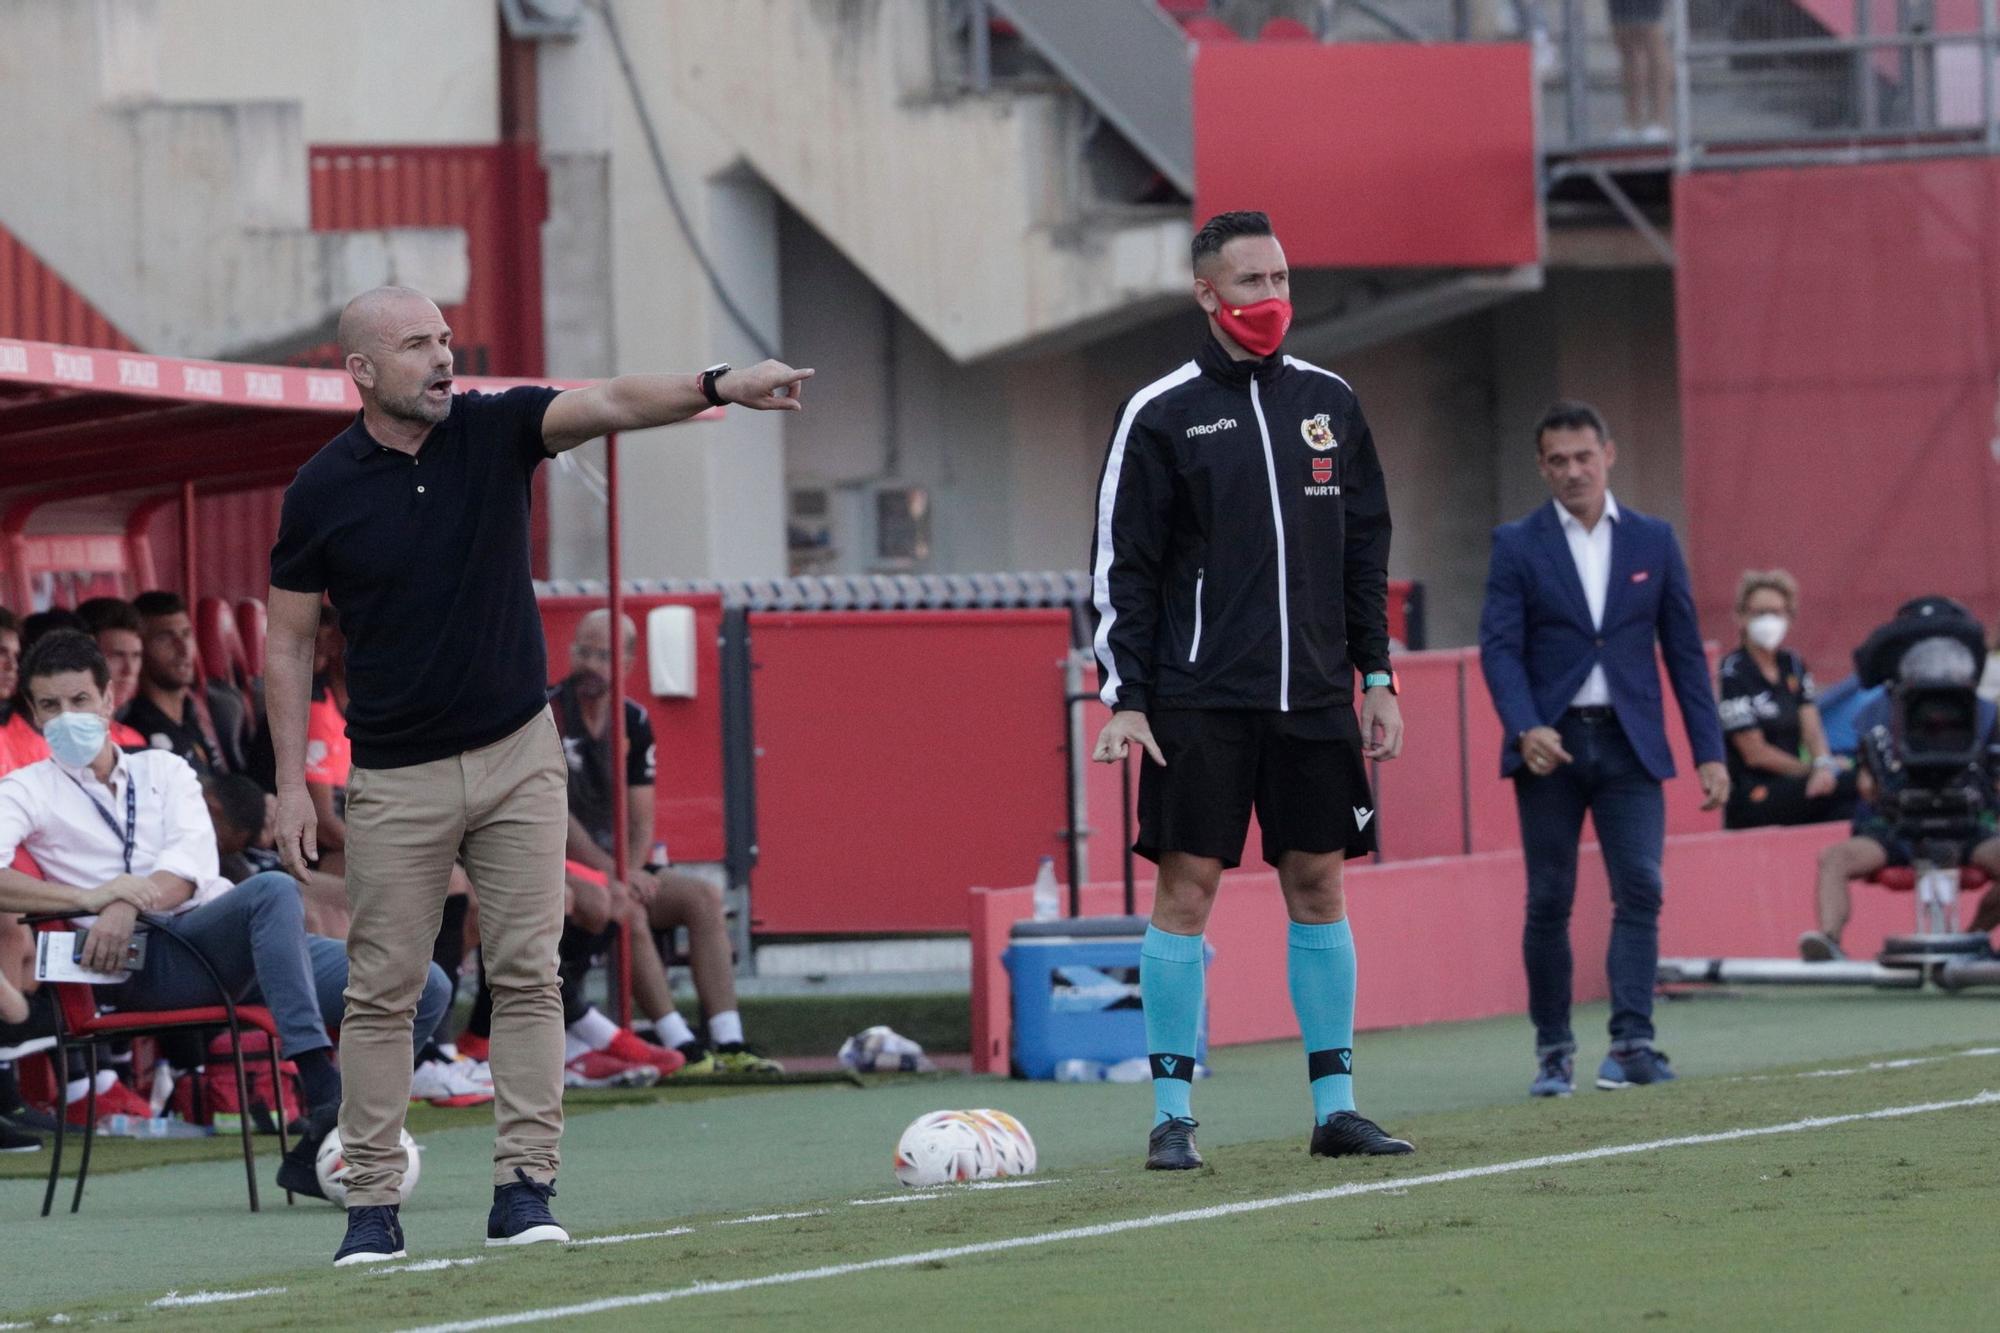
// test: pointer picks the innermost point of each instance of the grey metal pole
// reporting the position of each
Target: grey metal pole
(1683, 90)
(1865, 95)
(1576, 85)
(1989, 50)
(981, 51)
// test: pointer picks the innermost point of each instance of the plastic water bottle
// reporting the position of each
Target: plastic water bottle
(1048, 897)
(1136, 1070)
(154, 1127)
(1079, 1071)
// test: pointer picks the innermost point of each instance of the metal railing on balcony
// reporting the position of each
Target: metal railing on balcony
(1740, 82)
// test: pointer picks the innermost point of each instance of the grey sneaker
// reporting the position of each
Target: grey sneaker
(1816, 946)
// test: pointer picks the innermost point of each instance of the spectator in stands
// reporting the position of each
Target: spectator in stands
(115, 623)
(1645, 67)
(118, 834)
(1781, 770)
(329, 757)
(653, 898)
(20, 742)
(1874, 844)
(34, 626)
(169, 710)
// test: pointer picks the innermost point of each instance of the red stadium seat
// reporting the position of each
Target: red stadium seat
(1903, 879)
(1183, 10)
(1285, 30)
(218, 643)
(251, 624)
(1204, 29)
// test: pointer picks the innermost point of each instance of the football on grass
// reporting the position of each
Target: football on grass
(332, 1166)
(944, 1147)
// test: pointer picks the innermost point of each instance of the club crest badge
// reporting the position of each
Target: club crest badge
(1318, 432)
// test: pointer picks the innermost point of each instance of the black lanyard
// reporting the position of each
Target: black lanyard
(131, 835)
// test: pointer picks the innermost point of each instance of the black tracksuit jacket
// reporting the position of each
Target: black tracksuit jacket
(1242, 547)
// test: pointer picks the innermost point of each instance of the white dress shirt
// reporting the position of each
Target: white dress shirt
(1592, 553)
(46, 809)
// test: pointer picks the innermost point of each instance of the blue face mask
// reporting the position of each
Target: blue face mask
(75, 738)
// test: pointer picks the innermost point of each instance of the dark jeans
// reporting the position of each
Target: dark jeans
(255, 936)
(1630, 812)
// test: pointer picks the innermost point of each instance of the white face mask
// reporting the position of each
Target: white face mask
(1768, 630)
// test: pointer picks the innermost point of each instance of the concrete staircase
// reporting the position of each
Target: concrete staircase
(978, 213)
(185, 224)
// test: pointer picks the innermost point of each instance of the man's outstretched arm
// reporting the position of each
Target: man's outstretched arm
(635, 402)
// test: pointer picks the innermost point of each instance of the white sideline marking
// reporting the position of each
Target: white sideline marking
(1194, 1215)
(1006, 1184)
(174, 1300)
(894, 1198)
(423, 1266)
(1873, 1066)
(628, 1237)
(770, 1217)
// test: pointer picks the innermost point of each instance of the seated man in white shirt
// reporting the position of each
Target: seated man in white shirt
(118, 834)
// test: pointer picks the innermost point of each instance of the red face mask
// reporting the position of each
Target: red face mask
(1259, 328)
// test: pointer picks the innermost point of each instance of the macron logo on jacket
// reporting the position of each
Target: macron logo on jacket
(1226, 423)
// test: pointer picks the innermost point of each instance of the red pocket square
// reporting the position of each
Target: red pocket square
(1641, 576)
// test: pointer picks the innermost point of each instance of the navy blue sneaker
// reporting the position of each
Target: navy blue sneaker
(1556, 1076)
(374, 1234)
(1634, 1067)
(1170, 1147)
(521, 1213)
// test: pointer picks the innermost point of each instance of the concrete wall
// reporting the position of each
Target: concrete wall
(362, 73)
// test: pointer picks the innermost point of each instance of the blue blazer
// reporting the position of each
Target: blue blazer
(1537, 645)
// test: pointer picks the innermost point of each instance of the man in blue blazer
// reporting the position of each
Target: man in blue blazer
(1578, 596)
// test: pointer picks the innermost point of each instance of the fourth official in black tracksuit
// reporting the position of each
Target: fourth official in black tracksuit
(1240, 575)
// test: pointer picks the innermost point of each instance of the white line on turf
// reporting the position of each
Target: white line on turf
(770, 1217)
(1209, 1213)
(630, 1236)
(174, 1300)
(422, 1266)
(1005, 1184)
(894, 1198)
(1873, 1066)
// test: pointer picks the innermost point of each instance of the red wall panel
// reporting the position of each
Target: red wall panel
(901, 757)
(36, 304)
(1839, 350)
(1373, 154)
(687, 798)
(1420, 796)
(1743, 894)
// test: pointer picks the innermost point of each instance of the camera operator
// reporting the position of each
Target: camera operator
(1915, 798)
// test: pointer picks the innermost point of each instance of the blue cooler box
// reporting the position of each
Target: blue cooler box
(1076, 993)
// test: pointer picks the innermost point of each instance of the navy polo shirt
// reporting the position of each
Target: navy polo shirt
(426, 558)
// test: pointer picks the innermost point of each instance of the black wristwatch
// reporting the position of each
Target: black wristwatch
(708, 379)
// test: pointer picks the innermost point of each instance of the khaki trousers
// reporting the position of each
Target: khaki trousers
(503, 810)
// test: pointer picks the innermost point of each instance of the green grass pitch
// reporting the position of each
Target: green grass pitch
(1849, 1223)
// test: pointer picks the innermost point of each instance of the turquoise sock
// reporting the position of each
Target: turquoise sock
(1320, 964)
(1170, 978)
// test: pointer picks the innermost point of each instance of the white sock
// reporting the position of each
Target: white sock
(574, 1046)
(726, 1028)
(595, 1029)
(673, 1030)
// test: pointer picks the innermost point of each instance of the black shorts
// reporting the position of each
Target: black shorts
(1637, 13)
(1303, 771)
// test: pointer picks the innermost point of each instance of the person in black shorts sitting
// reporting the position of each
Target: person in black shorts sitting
(1780, 768)
(1875, 845)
